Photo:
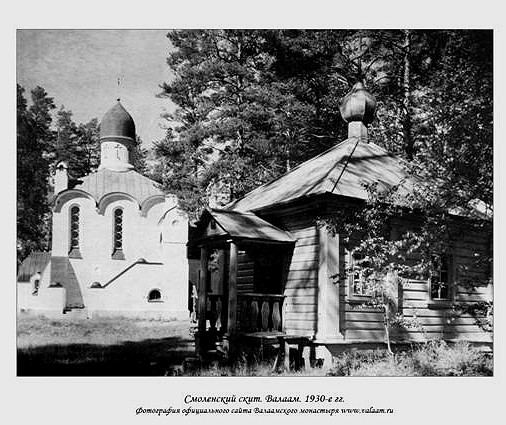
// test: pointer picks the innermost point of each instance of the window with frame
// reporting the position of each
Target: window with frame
(74, 232)
(358, 283)
(440, 279)
(155, 296)
(117, 252)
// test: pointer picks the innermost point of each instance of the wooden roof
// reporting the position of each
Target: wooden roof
(35, 262)
(341, 170)
(106, 181)
(221, 224)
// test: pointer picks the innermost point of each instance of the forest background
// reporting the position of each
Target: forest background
(252, 104)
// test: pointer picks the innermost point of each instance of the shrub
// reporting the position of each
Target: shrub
(349, 362)
(392, 366)
(437, 358)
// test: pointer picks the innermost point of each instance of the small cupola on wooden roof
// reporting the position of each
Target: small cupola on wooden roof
(117, 139)
(357, 109)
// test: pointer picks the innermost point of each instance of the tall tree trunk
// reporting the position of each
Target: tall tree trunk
(406, 125)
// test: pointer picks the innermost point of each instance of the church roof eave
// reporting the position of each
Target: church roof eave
(105, 182)
(69, 194)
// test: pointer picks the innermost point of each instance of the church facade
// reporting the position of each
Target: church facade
(119, 243)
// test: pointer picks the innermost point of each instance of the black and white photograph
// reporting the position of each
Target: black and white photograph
(246, 221)
(284, 202)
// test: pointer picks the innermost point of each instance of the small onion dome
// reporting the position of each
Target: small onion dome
(117, 124)
(358, 105)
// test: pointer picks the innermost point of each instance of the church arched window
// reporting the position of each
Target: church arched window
(154, 296)
(117, 251)
(74, 232)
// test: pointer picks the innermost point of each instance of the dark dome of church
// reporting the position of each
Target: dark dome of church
(117, 122)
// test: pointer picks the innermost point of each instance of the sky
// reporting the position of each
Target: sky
(80, 70)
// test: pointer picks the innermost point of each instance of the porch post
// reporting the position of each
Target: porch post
(202, 300)
(328, 324)
(229, 339)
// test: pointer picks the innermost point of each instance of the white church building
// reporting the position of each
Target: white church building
(118, 242)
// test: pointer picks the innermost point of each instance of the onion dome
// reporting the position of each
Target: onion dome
(358, 105)
(117, 139)
(117, 124)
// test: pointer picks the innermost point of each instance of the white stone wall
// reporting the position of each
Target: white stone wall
(115, 156)
(140, 234)
(48, 299)
(129, 293)
(157, 237)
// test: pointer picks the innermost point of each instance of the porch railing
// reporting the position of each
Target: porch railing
(255, 312)
(260, 312)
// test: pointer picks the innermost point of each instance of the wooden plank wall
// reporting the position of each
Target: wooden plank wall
(300, 305)
(423, 320)
(426, 319)
(245, 267)
(362, 323)
(431, 321)
(245, 279)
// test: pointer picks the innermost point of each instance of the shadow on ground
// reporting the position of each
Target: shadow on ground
(150, 357)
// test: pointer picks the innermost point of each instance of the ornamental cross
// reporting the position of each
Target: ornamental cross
(119, 89)
(117, 147)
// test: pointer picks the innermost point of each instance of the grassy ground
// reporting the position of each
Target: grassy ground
(101, 346)
(134, 347)
(435, 358)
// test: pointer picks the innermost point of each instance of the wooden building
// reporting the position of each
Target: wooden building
(278, 266)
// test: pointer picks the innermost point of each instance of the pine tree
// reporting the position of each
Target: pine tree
(33, 138)
(87, 148)
(252, 104)
(40, 146)
(241, 119)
